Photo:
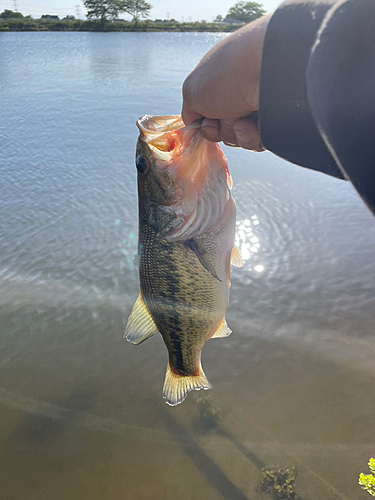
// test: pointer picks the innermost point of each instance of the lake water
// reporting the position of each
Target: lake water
(81, 413)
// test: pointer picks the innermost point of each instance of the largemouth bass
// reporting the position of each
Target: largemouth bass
(186, 244)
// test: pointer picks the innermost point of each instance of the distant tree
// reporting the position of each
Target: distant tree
(68, 18)
(103, 9)
(218, 19)
(138, 9)
(246, 11)
(110, 9)
(7, 14)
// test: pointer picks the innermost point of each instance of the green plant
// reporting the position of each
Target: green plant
(279, 482)
(367, 481)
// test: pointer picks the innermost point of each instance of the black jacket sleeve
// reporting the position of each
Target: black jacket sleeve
(287, 127)
(341, 91)
(317, 89)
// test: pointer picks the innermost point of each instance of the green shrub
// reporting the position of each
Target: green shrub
(367, 481)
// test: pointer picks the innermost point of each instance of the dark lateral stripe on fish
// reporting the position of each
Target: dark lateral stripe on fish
(173, 286)
(176, 352)
(184, 373)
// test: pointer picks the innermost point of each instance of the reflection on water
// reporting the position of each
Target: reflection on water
(129, 249)
(247, 241)
(81, 413)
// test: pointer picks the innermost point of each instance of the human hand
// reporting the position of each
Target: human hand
(224, 88)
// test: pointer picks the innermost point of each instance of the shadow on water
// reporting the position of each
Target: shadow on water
(201, 460)
(241, 448)
(209, 421)
(41, 428)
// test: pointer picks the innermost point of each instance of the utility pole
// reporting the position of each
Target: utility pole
(168, 16)
(15, 6)
(78, 11)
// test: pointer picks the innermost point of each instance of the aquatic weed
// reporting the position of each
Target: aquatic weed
(280, 482)
(208, 413)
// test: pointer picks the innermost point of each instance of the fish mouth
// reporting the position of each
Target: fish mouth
(199, 165)
(167, 137)
(152, 126)
(183, 147)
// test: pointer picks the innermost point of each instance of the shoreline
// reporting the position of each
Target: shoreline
(28, 24)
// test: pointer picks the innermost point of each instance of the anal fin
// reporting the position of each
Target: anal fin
(140, 324)
(177, 387)
(223, 331)
(236, 257)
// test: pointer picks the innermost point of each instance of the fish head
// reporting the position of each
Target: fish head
(183, 179)
(158, 181)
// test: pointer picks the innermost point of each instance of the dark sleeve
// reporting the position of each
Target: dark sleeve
(287, 127)
(341, 91)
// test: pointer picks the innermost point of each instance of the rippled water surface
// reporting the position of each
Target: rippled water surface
(81, 414)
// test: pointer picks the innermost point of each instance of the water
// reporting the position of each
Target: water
(81, 414)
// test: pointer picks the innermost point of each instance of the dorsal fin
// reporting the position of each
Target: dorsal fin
(236, 257)
(140, 324)
(223, 331)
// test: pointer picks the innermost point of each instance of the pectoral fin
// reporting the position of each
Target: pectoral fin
(223, 331)
(236, 257)
(203, 258)
(140, 324)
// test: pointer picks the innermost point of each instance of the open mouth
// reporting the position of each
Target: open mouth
(169, 139)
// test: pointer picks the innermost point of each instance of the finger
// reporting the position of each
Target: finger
(227, 133)
(211, 130)
(189, 116)
(247, 134)
(189, 113)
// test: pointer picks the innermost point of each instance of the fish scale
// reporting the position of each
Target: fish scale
(179, 294)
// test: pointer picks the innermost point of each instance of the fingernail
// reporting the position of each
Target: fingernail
(229, 123)
(242, 138)
(231, 144)
(211, 131)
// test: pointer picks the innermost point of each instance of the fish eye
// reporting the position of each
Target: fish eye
(141, 164)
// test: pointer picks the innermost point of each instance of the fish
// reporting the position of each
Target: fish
(187, 220)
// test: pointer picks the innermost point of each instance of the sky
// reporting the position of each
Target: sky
(181, 10)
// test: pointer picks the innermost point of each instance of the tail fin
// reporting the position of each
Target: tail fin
(176, 387)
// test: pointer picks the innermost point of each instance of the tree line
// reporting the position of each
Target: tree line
(103, 15)
(140, 9)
